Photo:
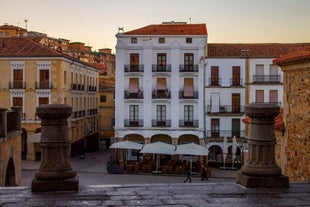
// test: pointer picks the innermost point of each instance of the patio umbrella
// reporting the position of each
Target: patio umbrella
(225, 150)
(191, 149)
(158, 148)
(126, 145)
(234, 150)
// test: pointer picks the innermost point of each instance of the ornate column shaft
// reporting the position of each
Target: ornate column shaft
(55, 172)
(261, 169)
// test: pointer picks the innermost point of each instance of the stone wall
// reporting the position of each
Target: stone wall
(296, 140)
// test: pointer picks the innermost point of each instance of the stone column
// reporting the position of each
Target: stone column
(260, 169)
(55, 172)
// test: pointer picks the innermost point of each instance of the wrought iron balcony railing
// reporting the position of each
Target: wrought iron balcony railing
(183, 95)
(225, 109)
(161, 68)
(215, 81)
(161, 94)
(222, 133)
(266, 78)
(236, 82)
(17, 85)
(133, 123)
(130, 95)
(188, 68)
(44, 85)
(133, 68)
(161, 123)
(192, 123)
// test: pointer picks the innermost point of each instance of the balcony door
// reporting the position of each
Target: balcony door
(214, 75)
(133, 87)
(273, 96)
(18, 78)
(161, 88)
(161, 61)
(188, 87)
(44, 79)
(188, 115)
(134, 62)
(235, 100)
(236, 76)
(134, 115)
(161, 115)
(259, 96)
(259, 72)
(235, 125)
(188, 61)
(215, 128)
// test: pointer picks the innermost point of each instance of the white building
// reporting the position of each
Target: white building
(236, 75)
(159, 83)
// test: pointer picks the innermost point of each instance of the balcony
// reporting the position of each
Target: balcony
(77, 87)
(130, 95)
(188, 68)
(133, 68)
(78, 114)
(218, 135)
(161, 68)
(193, 123)
(194, 95)
(44, 85)
(92, 88)
(133, 123)
(266, 78)
(165, 94)
(276, 103)
(17, 85)
(215, 81)
(225, 109)
(161, 123)
(236, 82)
(92, 111)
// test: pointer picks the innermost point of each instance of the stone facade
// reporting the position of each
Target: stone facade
(294, 146)
(10, 147)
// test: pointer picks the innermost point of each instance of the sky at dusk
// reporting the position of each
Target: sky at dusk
(95, 22)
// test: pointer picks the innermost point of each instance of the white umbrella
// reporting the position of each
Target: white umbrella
(225, 149)
(234, 150)
(126, 145)
(158, 148)
(191, 149)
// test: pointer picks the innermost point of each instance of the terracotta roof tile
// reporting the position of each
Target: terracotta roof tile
(25, 47)
(252, 50)
(170, 29)
(298, 56)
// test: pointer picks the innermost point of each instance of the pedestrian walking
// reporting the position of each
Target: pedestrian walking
(188, 176)
(204, 173)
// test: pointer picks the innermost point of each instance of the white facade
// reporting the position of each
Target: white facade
(150, 98)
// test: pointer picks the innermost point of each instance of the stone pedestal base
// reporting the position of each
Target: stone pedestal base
(262, 182)
(71, 184)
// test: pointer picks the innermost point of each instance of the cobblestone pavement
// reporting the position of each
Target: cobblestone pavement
(224, 194)
(97, 188)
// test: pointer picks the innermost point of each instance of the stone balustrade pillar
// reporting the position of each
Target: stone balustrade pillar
(55, 172)
(261, 169)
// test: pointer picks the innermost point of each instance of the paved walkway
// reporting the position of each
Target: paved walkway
(152, 190)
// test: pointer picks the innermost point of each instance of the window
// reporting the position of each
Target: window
(188, 40)
(43, 100)
(17, 101)
(236, 76)
(273, 96)
(235, 123)
(134, 40)
(259, 73)
(18, 78)
(134, 62)
(188, 114)
(103, 98)
(161, 115)
(215, 128)
(259, 96)
(235, 100)
(214, 76)
(188, 87)
(44, 79)
(161, 40)
(134, 115)
(161, 61)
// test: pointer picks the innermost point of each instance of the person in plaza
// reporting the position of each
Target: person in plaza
(188, 175)
(204, 173)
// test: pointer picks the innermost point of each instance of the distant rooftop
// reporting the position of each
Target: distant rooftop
(298, 56)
